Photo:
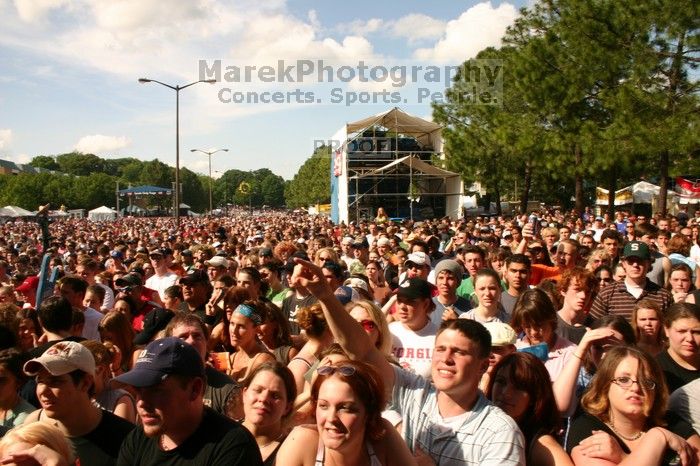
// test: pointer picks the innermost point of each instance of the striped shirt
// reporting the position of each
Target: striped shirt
(487, 437)
(616, 300)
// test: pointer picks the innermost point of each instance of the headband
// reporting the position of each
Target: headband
(249, 312)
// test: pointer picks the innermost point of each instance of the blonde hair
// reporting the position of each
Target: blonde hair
(377, 316)
(39, 433)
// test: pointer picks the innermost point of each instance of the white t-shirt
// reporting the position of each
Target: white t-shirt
(160, 284)
(92, 322)
(413, 349)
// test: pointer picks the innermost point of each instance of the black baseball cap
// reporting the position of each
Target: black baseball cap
(130, 279)
(414, 288)
(198, 276)
(163, 358)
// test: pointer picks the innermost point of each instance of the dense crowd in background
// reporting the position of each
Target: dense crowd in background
(548, 338)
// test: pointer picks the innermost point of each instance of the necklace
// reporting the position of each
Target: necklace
(271, 441)
(631, 438)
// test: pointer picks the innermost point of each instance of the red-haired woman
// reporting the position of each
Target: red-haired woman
(348, 399)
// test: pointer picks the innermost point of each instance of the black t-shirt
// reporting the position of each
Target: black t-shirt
(39, 350)
(101, 445)
(217, 441)
(573, 333)
(676, 376)
(291, 305)
(219, 389)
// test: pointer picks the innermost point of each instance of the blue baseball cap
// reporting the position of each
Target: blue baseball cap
(162, 358)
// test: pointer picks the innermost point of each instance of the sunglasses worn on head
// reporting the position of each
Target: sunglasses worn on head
(346, 371)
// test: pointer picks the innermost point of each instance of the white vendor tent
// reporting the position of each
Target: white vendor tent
(102, 214)
(15, 211)
(638, 193)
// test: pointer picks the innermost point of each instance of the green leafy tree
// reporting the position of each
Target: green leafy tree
(77, 163)
(194, 193)
(156, 173)
(131, 172)
(312, 183)
(44, 161)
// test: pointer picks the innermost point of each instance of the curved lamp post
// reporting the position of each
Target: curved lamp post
(209, 154)
(177, 90)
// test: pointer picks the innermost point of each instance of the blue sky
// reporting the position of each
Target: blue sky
(70, 70)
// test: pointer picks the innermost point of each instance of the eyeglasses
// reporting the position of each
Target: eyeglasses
(606, 280)
(345, 371)
(535, 250)
(125, 289)
(368, 325)
(626, 382)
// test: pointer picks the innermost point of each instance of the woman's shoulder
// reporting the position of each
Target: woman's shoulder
(299, 448)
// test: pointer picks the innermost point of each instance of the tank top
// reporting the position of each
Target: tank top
(321, 454)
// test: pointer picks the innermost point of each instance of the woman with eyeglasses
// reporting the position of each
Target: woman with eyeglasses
(647, 322)
(325, 254)
(604, 275)
(576, 375)
(538, 254)
(624, 410)
(347, 399)
(373, 322)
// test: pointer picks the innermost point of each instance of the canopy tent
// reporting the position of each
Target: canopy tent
(426, 179)
(362, 179)
(638, 193)
(102, 214)
(14, 211)
(144, 190)
(427, 133)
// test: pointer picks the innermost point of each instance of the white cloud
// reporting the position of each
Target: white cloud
(361, 27)
(98, 143)
(416, 27)
(22, 158)
(5, 138)
(34, 10)
(479, 27)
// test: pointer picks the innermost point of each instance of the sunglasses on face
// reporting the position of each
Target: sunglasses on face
(345, 371)
(368, 325)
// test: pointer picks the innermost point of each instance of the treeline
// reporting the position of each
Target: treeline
(593, 93)
(87, 181)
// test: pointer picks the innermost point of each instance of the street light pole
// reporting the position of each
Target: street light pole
(177, 90)
(209, 154)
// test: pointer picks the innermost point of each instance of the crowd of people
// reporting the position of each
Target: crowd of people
(554, 338)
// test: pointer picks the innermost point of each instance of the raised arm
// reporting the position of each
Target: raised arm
(346, 330)
(564, 386)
